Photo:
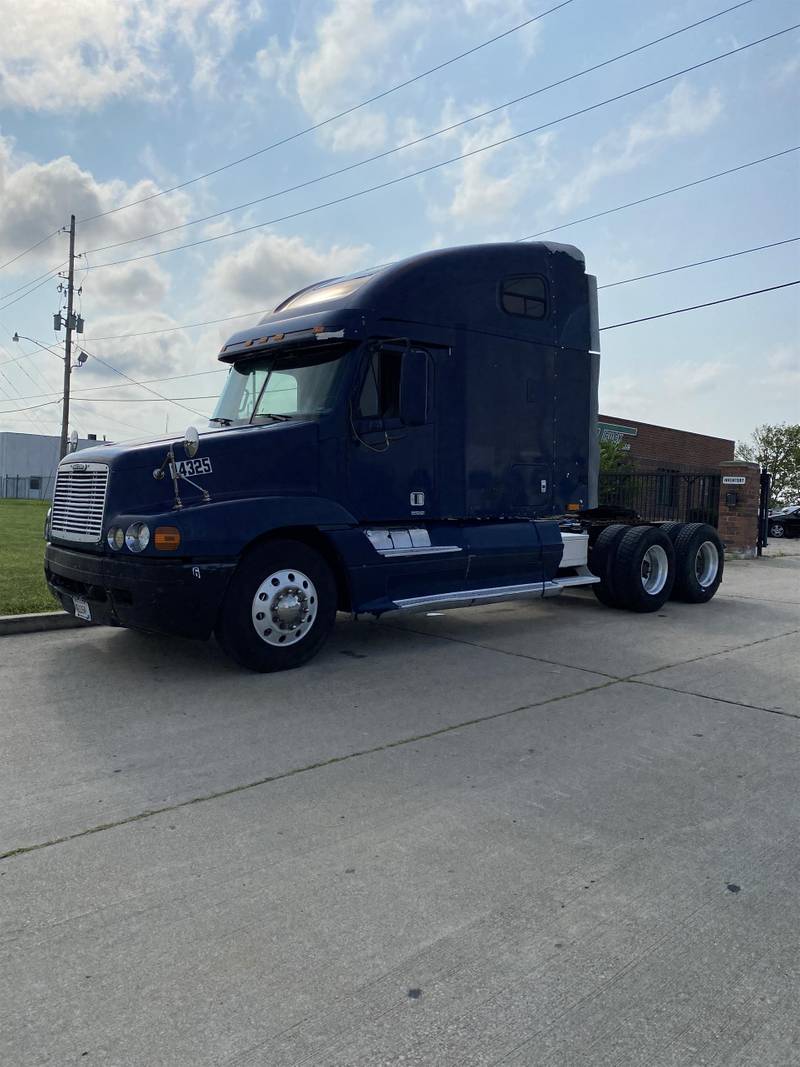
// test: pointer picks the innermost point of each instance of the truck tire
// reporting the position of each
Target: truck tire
(699, 561)
(601, 563)
(644, 569)
(672, 529)
(279, 608)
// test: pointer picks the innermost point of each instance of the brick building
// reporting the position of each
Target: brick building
(659, 448)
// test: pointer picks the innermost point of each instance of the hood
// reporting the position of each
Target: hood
(242, 461)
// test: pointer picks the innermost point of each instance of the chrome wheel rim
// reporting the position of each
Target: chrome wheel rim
(655, 568)
(284, 607)
(776, 531)
(706, 564)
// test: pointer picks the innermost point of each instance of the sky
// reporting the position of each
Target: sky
(122, 100)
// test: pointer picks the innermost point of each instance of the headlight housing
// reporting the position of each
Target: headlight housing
(137, 536)
(115, 538)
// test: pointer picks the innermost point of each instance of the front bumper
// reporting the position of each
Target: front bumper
(165, 596)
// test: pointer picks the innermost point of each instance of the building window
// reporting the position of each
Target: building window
(525, 294)
(35, 483)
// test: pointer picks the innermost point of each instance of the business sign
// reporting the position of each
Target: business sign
(609, 431)
(733, 479)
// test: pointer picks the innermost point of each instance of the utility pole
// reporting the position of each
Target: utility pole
(68, 340)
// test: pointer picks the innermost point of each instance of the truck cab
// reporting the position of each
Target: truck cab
(416, 436)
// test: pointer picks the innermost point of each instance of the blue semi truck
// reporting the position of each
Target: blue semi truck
(409, 438)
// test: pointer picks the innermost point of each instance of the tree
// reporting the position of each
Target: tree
(776, 449)
(614, 458)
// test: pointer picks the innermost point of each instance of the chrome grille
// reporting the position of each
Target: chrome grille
(79, 502)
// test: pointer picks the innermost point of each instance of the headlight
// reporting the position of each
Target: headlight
(116, 538)
(137, 536)
(47, 518)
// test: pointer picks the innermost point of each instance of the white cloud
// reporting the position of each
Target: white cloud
(270, 267)
(688, 377)
(684, 112)
(134, 286)
(627, 396)
(37, 198)
(785, 73)
(495, 16)
(783, 370)
(623, 395)
(58, 58)
(487, 188)
(339, 67)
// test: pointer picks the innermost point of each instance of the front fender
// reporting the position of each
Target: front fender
(222, 528)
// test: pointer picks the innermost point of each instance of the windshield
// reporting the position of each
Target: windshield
(281, 384)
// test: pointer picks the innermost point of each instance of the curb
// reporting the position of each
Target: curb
(39, 622)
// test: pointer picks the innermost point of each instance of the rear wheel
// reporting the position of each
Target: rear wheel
(602, 563)
(699, 561)
(644, 570)
(279, 608)
(671, 529)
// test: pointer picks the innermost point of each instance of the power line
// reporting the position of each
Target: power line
(19, 255)
(419, 140)
(115, 422)
(176, 401)
(116, 370)
(699, 263)
(110, 400)
(33, 407)
(656, 196)
(454, 159)
(27, 355)
(133, 400)
(133, 381)
(47, 276)
(333, 118)
(608, 211)
(185, 326)
(695, 307)
(145, 381)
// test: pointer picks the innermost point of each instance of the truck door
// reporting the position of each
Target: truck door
(392, 449)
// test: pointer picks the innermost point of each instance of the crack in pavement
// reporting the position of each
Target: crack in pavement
(317, 765)
(718, 700)
(333, 760)
(590, 670)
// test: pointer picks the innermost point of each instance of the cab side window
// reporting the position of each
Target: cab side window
(525, 294)
(380, 393)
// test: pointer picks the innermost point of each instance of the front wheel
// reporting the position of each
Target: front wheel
(777, 529)
(279, 608)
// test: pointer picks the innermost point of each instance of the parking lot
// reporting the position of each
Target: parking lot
(540, 833)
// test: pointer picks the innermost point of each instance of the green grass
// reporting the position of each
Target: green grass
(22, 584)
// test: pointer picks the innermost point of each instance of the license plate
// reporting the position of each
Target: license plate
(82, 609)
(189, 467)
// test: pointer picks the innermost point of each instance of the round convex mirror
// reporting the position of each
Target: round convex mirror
(191, 441)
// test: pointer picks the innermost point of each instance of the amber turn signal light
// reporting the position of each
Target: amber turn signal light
(573, 507)
(167, 538)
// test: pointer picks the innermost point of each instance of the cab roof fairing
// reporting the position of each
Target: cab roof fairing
(444, 287)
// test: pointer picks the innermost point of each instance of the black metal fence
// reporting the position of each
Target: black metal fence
(661, 496)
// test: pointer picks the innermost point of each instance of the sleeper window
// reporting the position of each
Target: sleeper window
(525, 295)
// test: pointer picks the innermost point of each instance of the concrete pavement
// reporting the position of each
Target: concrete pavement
(529, 834)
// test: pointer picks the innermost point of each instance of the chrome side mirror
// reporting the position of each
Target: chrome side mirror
(73, 441)
(191, 441)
